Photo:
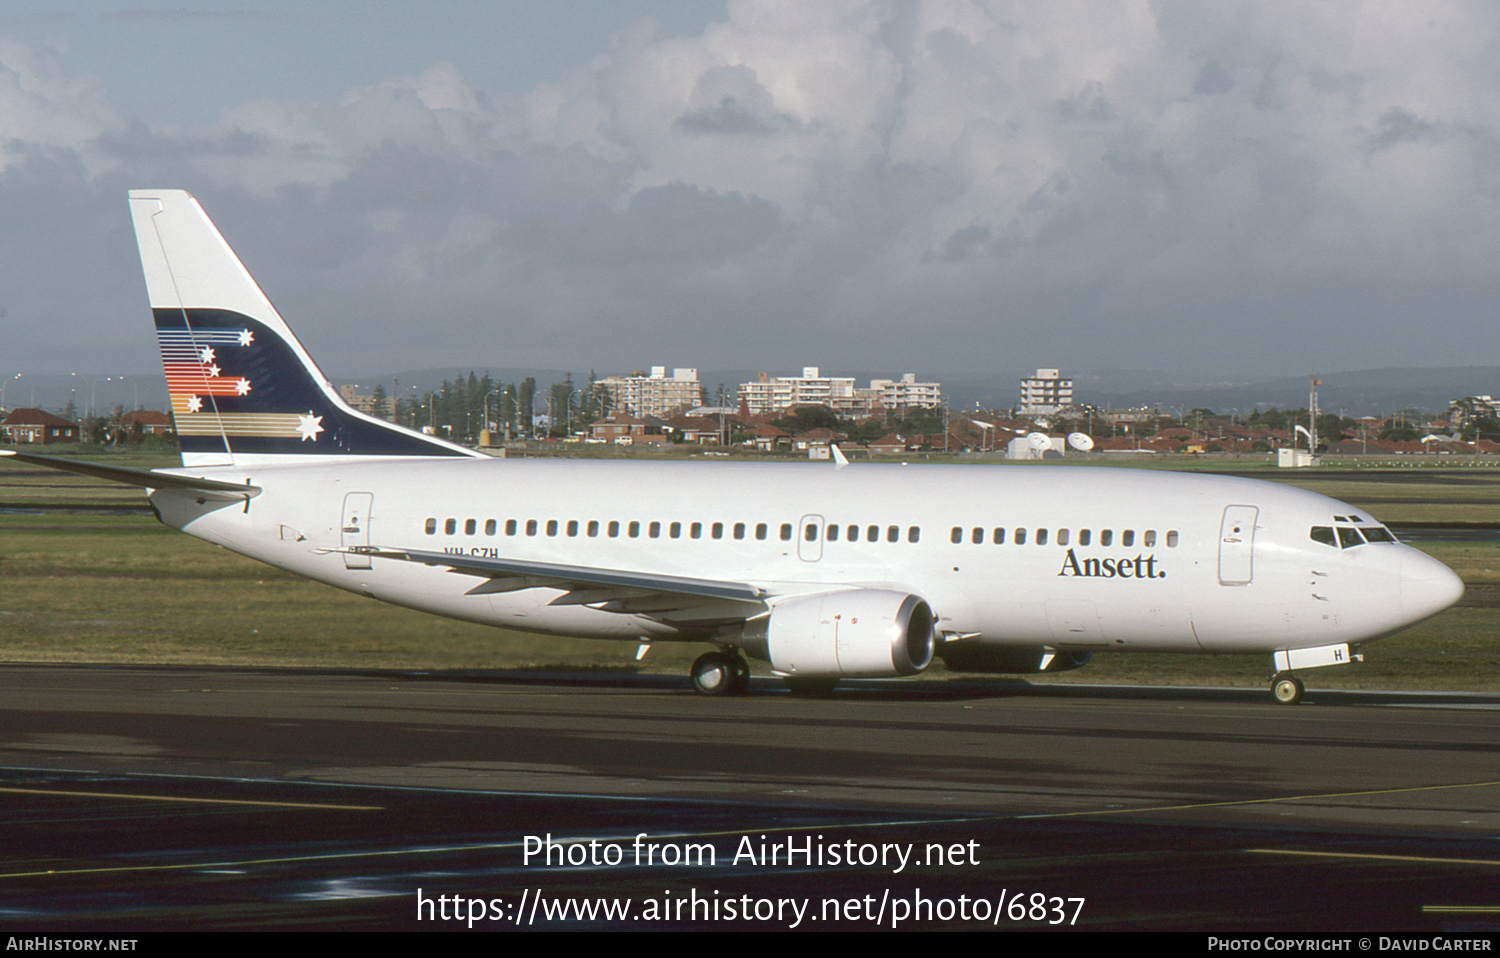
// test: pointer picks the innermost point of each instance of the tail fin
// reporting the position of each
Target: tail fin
(243, 389)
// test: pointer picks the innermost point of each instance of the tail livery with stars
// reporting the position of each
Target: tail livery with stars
(821, 572)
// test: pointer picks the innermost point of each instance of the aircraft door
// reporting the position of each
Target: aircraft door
(355, 527)
(1237, 545)
(810, 538)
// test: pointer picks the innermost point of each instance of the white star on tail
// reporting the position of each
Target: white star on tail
(207, 355)
(246, 337)
(242, 387)
(195, 404)
(309, 426)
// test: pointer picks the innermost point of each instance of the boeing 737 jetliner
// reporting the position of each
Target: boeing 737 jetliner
(820, 571)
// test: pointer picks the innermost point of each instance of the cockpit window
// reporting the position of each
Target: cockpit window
(1349, 538)
(1377, 534)
(1324, 534)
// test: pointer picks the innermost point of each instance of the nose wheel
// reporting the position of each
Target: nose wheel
(721, 673)
(1286, 688)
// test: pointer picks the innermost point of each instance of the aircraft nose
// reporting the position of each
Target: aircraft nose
(1427, 586)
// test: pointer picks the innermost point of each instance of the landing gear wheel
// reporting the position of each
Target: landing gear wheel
(741, 673)
(1287, 689)
(811, 687)
(714, 673)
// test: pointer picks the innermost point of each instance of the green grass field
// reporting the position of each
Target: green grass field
(120, 588)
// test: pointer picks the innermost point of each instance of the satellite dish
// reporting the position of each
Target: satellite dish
(1039, 441)
(1081, 441)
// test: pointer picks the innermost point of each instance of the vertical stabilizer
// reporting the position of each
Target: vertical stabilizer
(243, 389)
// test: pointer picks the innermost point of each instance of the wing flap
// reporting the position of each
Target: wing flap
(668, 597)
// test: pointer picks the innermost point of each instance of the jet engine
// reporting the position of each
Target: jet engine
(865, 632)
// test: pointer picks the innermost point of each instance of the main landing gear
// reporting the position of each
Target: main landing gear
(721, 673)
(1286, 688)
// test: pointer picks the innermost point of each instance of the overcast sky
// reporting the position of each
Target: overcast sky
(1242, 189)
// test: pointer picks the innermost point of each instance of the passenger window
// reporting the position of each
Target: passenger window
(1323, 534)
(913, 533)
(998, 536)
(739, 530)
(432, 527)
(572, 527)
(675, 530)
(654, 530)
(786, 532)
(1127, 538)
(717, 530)
(833, 532)
(1062, 537)
(892, 533)
(551, 527)
(1106, 536)
(489, 527)
(977, 536)
(510, 527)
(1041, 537)
(593, 528)
(1020, 537)
(1149, 539)
(1084, 535)
(810, 532)
(613, 529)
(956, 536)
(450, 527)
(1172, 539)
(470, 526)
(634, 529)
(872, 534)
(531, 527)
(760, 530)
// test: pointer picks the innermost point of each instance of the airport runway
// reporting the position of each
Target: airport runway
(138, 799)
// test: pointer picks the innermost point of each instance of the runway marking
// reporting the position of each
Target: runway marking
(200, 801)
(1461, 909)
(249, 861)
(445, 849)
(1379, 857)
(1259, 801)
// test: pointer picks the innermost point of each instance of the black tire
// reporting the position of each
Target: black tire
(714, 674)
(741, 673)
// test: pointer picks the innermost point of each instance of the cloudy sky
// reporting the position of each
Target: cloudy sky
(946, 187)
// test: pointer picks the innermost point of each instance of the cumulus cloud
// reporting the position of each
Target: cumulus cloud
(940, 185)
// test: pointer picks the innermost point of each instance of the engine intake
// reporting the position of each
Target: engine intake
(866, 632)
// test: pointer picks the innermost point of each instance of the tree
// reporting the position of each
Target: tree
(526, 404)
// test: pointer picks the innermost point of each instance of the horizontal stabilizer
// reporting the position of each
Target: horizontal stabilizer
(208, 488)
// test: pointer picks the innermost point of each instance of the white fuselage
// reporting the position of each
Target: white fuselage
(1063, 557)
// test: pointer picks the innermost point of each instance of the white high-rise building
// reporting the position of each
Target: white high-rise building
(1045, 394)
(657, 394)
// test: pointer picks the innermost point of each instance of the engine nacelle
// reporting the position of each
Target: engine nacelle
(1008, 660)
(864, 632)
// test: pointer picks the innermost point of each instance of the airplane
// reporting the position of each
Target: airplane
(821, 571)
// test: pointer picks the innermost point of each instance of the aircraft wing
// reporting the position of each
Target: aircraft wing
(205, 488)
(682, 600)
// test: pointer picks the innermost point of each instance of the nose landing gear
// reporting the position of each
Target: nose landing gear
(1286, 688)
